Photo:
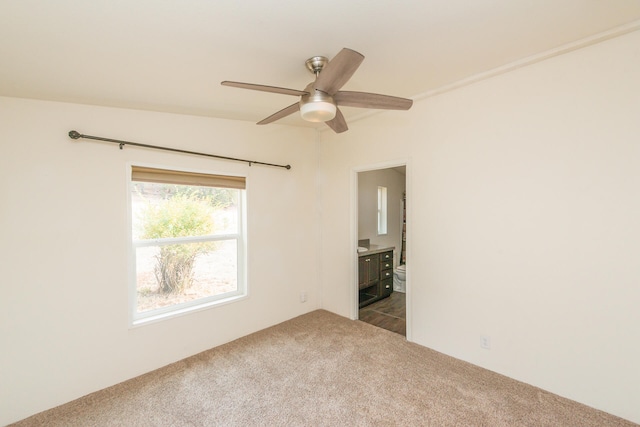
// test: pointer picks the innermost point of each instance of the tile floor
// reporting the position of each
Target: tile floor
(388, 313)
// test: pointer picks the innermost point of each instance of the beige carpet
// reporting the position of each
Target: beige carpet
(321, 369)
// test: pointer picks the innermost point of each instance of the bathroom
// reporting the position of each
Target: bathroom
(382, 242)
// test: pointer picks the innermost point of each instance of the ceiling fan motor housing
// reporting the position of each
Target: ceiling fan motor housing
(317, 106)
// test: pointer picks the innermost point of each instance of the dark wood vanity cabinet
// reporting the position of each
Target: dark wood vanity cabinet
(375, 277)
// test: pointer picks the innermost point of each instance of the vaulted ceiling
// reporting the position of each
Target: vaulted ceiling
(171, 56)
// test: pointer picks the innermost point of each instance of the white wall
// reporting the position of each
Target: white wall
(368, 183)
(63, 300)
(523, 222)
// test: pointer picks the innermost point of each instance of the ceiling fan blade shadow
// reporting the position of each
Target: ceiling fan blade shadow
(280, 114)
(371, 100)
(338, 123)
(338, 71)
(264, 88)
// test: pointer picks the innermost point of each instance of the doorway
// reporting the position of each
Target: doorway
(381, 200)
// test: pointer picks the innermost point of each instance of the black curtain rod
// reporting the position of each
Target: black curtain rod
(76, 135)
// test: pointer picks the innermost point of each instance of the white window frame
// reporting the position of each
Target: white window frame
(241, 292)
(382, 210)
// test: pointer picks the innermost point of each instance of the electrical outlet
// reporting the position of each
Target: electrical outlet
(303, 296)
(485, 342)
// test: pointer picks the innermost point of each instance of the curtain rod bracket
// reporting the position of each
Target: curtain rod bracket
(77, 135)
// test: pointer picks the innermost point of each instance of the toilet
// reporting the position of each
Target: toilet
(399, 278)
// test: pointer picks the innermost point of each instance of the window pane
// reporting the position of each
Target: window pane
(382, 210)
(169, 210)
(174, 274)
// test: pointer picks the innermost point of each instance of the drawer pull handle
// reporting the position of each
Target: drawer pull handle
(387, 286)
(387, 276)
(367, 260)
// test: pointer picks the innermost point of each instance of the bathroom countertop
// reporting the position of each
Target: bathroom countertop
(376, 249)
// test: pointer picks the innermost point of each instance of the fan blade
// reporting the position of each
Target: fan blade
(280, 114)
(338, 123)
(338, 71)
(263, 88)
(371, 100)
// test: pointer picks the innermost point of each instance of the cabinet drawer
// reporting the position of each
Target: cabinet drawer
(386, 287)
(386, 274)
(385, 264)
(386, 256)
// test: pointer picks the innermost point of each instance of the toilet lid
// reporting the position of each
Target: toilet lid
(402, 267)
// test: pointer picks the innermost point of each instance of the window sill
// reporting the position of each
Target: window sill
(135, 323)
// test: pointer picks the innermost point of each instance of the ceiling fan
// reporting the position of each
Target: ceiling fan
(319, 101)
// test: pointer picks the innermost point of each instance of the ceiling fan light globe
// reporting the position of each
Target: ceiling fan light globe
(318, 111)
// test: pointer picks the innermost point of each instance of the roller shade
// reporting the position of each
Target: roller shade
(164, 176)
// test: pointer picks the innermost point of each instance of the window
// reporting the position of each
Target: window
(382, 210)
(187, 234)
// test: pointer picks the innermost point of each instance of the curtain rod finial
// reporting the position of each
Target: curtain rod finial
(74, 134)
